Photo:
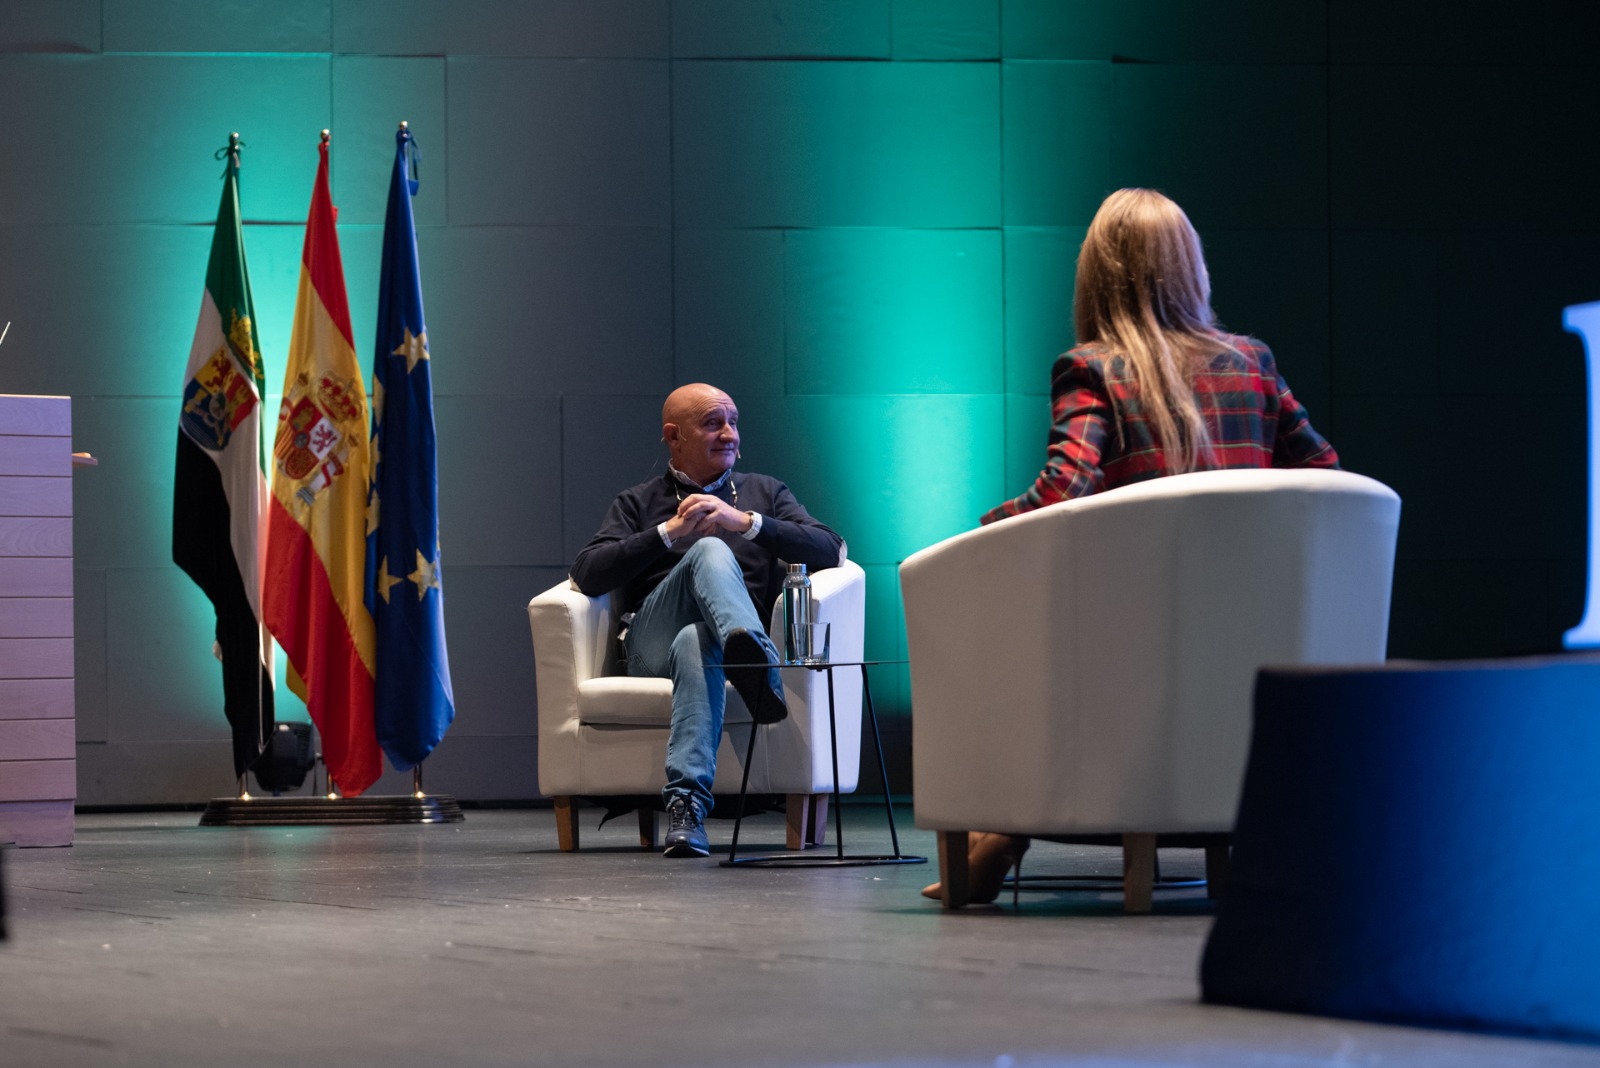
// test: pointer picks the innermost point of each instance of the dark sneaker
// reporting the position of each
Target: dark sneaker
(686, 831)
(758, 686)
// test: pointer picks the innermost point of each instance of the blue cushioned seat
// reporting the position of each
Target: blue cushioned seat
(1420, 843)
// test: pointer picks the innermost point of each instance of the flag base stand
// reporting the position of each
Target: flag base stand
(249, 811)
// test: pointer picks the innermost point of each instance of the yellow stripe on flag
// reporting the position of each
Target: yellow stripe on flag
(323, 439)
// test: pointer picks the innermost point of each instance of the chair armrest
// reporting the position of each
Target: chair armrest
(968, 591)
(587, 624)
(573, 636)
(839, 598)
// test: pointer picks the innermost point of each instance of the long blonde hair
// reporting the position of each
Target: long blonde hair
(1143, 293)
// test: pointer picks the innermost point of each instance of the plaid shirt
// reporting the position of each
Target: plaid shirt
(1253, 418)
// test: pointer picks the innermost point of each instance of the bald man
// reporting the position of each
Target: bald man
(699, 555)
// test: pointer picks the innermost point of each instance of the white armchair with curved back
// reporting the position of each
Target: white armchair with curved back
(603, 734)
(1087, 669)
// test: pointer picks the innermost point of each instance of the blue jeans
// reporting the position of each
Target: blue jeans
(678, 634)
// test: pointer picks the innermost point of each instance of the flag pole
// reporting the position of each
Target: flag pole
(234, 145)
(416, 783)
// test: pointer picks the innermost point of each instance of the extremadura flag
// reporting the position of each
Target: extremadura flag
(317, 520)
(414, 704)
(220, 486)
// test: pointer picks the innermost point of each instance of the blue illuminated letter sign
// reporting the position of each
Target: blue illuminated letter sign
(1584, 320)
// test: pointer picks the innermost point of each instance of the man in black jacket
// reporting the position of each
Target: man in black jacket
(699, 554)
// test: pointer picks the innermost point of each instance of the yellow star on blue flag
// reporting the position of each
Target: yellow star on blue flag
(414, 348)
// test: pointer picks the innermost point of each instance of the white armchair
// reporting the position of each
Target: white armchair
(603, 733)
(1087, 669)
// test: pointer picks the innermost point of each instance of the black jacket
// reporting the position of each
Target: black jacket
(626, 553)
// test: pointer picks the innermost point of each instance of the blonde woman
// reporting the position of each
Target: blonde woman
(1153, 388)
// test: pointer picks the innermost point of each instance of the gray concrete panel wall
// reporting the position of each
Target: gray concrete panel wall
(861, 218)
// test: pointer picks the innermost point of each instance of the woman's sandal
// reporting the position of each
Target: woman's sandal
(990, 857)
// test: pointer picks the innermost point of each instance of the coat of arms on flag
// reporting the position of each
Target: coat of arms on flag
(316, 430)
(221, 395)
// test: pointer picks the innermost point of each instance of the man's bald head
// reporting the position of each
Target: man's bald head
(686, 403)
(700, 425)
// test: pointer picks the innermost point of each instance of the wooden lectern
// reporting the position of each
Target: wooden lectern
(38, 744)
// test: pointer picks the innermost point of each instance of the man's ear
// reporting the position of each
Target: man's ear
(669, 433)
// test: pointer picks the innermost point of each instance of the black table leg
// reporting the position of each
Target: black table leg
(744, 791)
(840, 858)
(833, 746)
(883, 768)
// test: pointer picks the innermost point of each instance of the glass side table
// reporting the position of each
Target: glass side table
(839, 859)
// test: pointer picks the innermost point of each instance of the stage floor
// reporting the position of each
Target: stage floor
(153, 941)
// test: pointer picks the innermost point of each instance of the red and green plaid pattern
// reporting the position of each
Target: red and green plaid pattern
(1253, 418)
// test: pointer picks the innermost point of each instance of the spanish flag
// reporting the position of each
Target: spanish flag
(316, 525)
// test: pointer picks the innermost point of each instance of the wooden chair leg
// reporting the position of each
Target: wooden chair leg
(955, 890)
(796, 817)
(806, 820)
(567, 822)
(647, 828)
(1219, 864)
(1138, 871)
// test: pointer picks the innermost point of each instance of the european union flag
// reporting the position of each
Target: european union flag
(413, 703)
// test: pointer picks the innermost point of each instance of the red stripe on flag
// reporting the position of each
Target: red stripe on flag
(303, 615)
(320, 253)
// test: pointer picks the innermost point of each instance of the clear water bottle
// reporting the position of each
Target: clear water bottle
(797, 614)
